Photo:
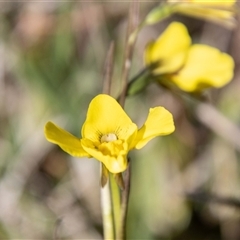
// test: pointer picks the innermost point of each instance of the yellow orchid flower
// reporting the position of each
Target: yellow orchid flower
(108, 134)
(201, 67)
(212, 10)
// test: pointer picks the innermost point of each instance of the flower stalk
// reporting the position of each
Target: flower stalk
(121, 234)
(107, 212)
(116, 203)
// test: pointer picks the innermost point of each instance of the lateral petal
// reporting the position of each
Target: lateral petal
(159, 122)
(64, 140)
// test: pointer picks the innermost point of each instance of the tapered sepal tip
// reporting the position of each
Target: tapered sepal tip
(119, 180)
(104, 175)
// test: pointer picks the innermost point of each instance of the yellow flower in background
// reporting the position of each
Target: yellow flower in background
(198, 66)
(208, 2)
(212, 10)
(108, 134)
(169, 50)
(216, 2)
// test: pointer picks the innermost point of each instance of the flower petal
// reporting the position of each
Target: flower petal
(64, 140)
(105, 116)
(159, 122)
(222, 13)
(205, 67)
(169, 49)
(115, 163)
(213, 2)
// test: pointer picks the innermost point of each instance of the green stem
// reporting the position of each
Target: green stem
(115, 192)
(141, 73)
(158, 14)
(106, 201)
(107, 212)
(121, 234)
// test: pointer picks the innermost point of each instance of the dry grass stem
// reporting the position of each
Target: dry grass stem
(133, 21)
(108, 70)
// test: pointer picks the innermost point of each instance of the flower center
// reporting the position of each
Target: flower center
(110, 137)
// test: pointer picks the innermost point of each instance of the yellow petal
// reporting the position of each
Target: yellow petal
(64, 140)
(205, 67)
(169, 49)
(112, 155)
(221, 12)
(213, 2)
(159, 122)
(105, 116)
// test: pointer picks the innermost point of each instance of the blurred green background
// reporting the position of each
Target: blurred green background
(184, 186)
